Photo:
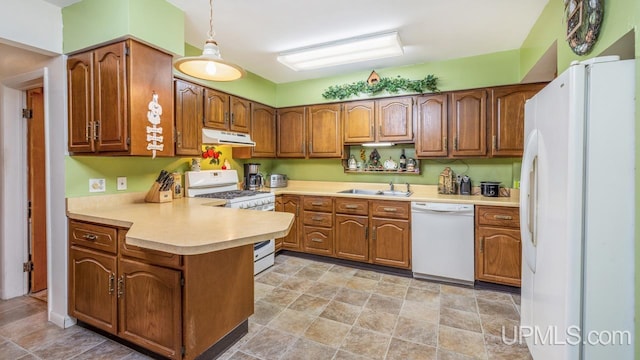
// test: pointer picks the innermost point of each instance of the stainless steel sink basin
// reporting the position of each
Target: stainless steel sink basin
(395, 193)
(376, 192)
(360, 192)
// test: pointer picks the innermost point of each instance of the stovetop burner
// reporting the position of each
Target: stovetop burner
(232, 194)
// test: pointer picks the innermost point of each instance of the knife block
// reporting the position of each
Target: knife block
(154, 194)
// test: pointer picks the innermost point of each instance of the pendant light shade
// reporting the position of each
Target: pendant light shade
(209, 65)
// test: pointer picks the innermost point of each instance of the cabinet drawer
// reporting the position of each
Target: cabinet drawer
(318, 240)
(352, 206)
(498, 216)
(93, 236)
(153, 257)
(318, 219)
(317, 203)
(390, 209)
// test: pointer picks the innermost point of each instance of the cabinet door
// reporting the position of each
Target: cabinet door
(391, 243)
(498, 255)
(80, 102)
(216, 109)
(395, 119)
(279, 207)
(291, 204)
(150, 307)
(240, 115)
(188, 118)
(263, 131)
(352, 237)
(109, 97)
(431, 137)
(318, 240)
(359, 122)
(92, 297)
(468, 126)
(507, 118)
(291, 133)
(324, 131)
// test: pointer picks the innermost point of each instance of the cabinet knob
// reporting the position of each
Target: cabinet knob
(120, 286)
(494, 143)
(374, 233)
(444, 143)
(112, 278)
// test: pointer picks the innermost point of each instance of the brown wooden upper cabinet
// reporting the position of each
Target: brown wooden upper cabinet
(263, 130)
(110, 89)
(188, 118)
(309, 132)
(431, 139)
(380, 120)
(468, 123)
(226, 112)
(291, 132)
(507, 118)
(324, 130)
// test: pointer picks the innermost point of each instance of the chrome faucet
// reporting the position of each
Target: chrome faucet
(408, 187)
(391, 185)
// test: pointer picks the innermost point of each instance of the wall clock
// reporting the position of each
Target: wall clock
(584, 19)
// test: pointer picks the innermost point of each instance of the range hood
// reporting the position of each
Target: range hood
(219, 137)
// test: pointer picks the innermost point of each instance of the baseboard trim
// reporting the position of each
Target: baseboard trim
(63, 321)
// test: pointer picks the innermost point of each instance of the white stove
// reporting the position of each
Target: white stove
(223, 184)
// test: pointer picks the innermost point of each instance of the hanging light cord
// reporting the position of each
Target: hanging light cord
(211, 32)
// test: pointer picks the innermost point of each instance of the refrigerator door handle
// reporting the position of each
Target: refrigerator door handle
(528, 200)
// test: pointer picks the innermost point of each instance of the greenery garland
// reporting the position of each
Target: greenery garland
(391, 85)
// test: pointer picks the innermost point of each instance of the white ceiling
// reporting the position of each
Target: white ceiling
(252, 32)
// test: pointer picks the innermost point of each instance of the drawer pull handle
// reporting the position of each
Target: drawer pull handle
(90, 237)
(317, 204)
(387, 209)
(351, 206)
(316, 218)
(316, 240)
(503, 217)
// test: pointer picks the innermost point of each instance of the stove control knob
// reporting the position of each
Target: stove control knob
(252, 204)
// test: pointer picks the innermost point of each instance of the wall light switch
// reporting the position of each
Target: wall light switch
(97, 185)
(122, 183)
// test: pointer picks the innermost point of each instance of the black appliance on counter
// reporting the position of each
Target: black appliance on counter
(252, 177)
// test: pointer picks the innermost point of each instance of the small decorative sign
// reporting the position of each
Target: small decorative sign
(154, 132)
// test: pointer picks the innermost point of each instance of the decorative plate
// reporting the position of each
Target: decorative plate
(584, 19)
(390, 165)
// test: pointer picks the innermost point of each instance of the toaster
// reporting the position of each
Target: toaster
(275, 180)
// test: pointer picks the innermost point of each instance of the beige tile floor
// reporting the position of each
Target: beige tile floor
(312, 310)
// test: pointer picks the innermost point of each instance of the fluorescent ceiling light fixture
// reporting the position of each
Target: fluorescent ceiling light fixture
(209, 65)
(378, 144)
(347, 51)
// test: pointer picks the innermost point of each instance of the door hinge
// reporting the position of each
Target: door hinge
(183, 351)
(126, 51)
(27, 266)
(27, 113)
(182, 282)
(128, 140)
(29, 210)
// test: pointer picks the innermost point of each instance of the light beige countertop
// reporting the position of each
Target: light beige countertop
(186, 226)
(426, 193)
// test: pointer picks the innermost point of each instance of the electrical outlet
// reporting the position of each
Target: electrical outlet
(122, 183)
(97, 185)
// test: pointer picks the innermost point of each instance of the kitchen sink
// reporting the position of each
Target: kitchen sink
(376, 192)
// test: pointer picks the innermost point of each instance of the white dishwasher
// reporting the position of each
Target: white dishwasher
(443, 242)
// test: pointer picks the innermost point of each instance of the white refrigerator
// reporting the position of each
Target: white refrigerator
(577, 214)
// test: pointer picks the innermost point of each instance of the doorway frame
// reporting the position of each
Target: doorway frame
(13, 175)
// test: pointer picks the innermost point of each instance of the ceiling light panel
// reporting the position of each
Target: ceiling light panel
(343, 52)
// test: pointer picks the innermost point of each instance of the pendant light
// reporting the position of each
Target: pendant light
(209, 65)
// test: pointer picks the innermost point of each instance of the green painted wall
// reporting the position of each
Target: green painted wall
(91, 22)
(464, 73)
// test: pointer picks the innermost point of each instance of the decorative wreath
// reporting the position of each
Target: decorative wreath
(391, 85)
(584, 20)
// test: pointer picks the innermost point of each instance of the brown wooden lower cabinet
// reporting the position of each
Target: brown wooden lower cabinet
(173, 305)
(318, 240)
(498, 246)
(291, 204)
(390, 242)
(352, 237)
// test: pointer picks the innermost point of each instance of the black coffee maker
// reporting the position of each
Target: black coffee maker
(252, 178)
